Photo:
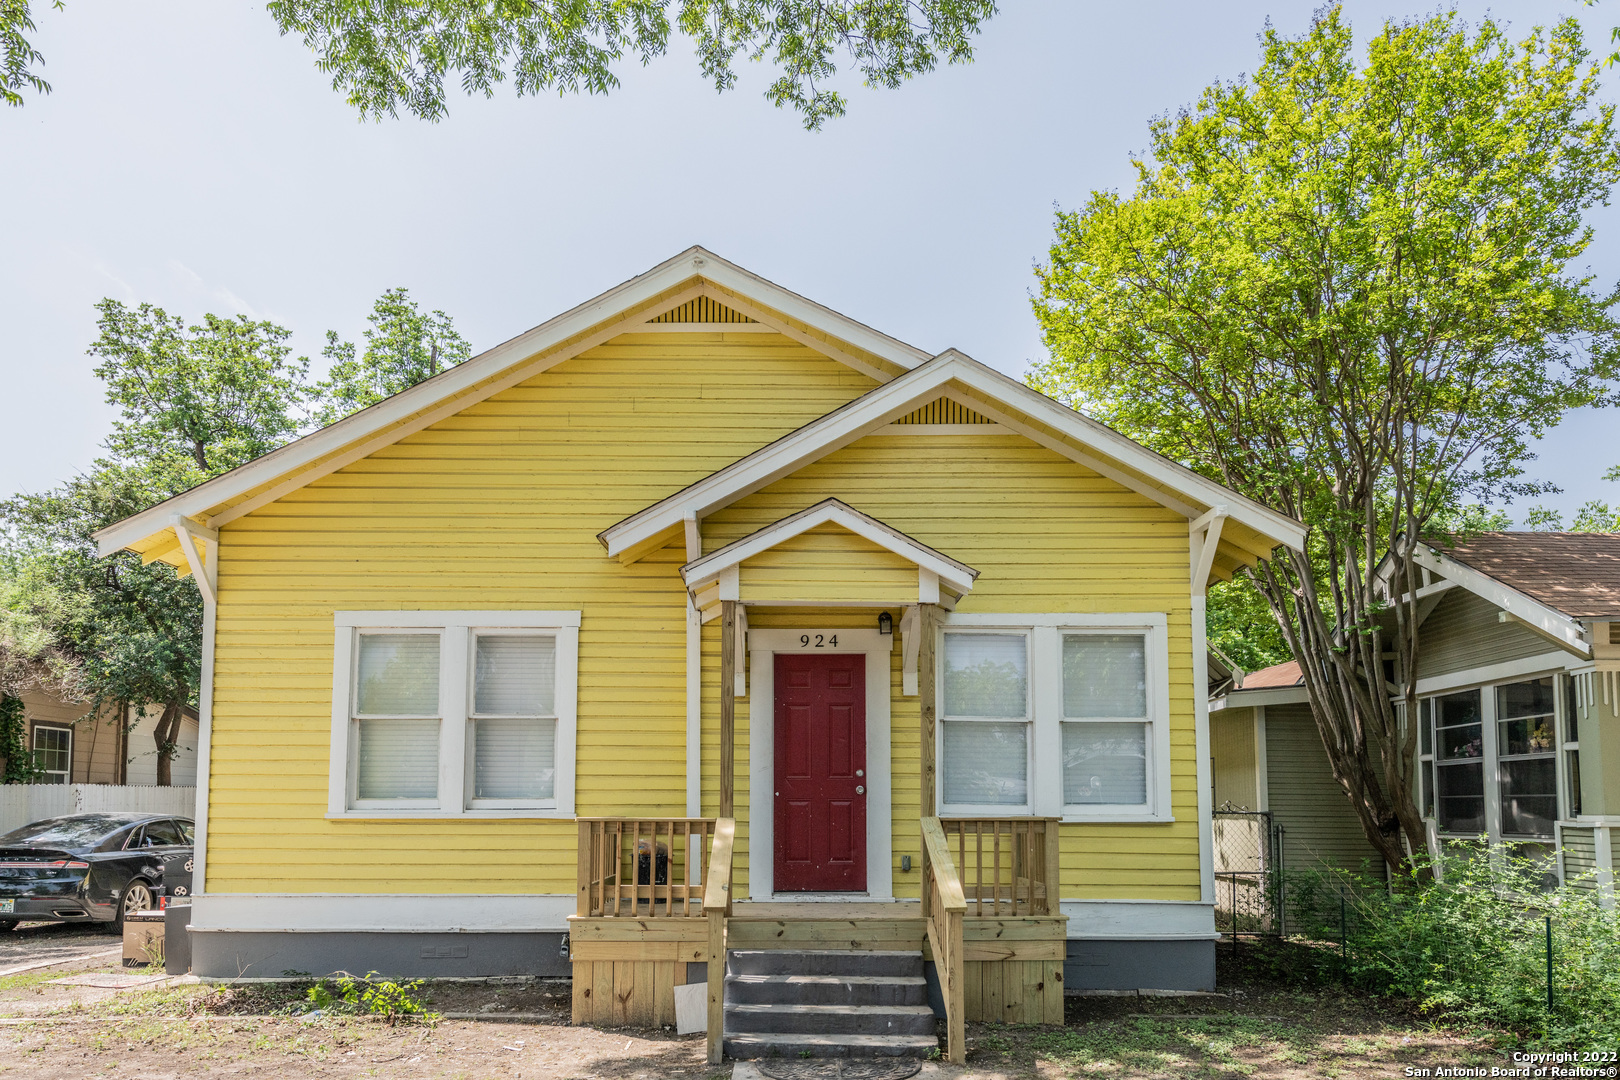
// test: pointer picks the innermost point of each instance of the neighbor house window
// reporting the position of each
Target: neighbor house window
(454, 712)
(1572, 750)
(1064, 715)
(1527, 768)
(1459, 757)
(53, 753)
(985, 719)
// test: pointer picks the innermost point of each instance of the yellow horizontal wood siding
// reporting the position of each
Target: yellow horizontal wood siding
(1047, 535)
(828, 565)
(497, 507)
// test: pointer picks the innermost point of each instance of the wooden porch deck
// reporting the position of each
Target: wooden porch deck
(638, 934)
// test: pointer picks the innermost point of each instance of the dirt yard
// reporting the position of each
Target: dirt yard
(184, 1029)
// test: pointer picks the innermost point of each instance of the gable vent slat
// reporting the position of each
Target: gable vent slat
(702, 310)
(944, 411)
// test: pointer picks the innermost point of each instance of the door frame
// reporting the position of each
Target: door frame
(763, 645)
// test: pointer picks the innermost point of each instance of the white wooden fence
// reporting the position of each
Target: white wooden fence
(22, 803)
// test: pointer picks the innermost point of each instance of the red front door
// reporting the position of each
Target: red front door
(821, 772)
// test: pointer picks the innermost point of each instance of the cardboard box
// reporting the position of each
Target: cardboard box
(143, 938)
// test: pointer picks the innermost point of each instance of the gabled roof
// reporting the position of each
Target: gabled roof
(694, 272)
(1561, 628)
(958, 576)
(996, 396)
(1575, 574)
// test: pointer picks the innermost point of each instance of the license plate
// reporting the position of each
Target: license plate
(7, 907)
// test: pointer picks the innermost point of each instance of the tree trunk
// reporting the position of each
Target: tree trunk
(165, 734)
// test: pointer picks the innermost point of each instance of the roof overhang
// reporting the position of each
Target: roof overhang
(1002, 399)
(1560, 629)
(623, 309)
(715, 567)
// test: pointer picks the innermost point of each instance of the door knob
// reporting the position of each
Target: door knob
(860, 789)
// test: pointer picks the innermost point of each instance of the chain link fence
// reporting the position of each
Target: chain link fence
(1248, 873)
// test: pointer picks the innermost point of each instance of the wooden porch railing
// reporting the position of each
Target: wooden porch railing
(717, 907)
(943, 906)
(643, 867)
(1009, 866)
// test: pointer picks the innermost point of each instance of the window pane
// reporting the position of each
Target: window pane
(514, 759)
(1461, 742)
(399, 675)
(398, 759)
(1425, 728)
(985, 675)
(1460, 791)
(986, 764)
(1532, 735)
(516, 675)
(1532, 698)
(1104, 675)
(52, 753)
(1572, 766)
(1105, 763)
(1529, 797)
(162, 834)
(1426, 782)
(1571, 721)
(1455, 709)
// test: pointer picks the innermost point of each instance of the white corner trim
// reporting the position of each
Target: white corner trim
(1141, 920)
(1554, 624)
(381, 912)
(695, 264)
(763, 645)
(894, 399)
(1245, 699)
(1201, 737)
(909, 621)
(714, 566)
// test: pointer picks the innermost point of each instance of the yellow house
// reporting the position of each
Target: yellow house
(703, 620)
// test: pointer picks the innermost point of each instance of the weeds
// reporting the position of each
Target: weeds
(370, 996)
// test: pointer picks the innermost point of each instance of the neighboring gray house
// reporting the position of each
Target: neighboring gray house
(1519, 686)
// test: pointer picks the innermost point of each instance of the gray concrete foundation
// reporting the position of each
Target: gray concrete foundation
(1110, 964)
(231, 954)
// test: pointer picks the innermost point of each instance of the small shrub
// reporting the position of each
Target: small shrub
(370, 996)
(1465, 935)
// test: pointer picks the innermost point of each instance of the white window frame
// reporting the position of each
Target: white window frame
(1045, 661)
(351, 782)
(1028, 720)
(458, 632)
(468, 779)
(1153, 783)
(33, 751)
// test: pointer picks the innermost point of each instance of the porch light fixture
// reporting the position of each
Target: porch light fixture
(885, 623)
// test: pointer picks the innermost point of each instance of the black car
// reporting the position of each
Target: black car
(92, 867)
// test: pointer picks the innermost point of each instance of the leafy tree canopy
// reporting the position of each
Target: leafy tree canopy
(391, 55)
(1348, 291)
(403, 346)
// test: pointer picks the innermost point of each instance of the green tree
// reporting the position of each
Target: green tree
(1240, 624)
(389, 55)
(219, 393)
(404, 345)
(1347, 291)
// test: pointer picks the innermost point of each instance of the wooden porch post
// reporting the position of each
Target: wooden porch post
(927, 618)
(728, 707)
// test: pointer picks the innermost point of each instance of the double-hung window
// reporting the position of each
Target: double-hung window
(454, 712)
(53, 753)
(985, 720)
(1572, 749)
(1490, 764)
(1065, 715)
(1527, 766)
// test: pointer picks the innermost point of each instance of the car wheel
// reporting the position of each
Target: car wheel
(137, 897)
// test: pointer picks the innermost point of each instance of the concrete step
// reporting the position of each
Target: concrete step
(830, 1019)
(823, 962)
(827, 989)
(763, 1045)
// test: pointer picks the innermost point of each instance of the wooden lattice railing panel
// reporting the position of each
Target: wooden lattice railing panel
(1008, 866)
(643, 867)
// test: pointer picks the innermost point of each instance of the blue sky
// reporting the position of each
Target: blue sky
(191, 158)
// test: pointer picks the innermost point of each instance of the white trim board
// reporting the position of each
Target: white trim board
(1251, 699)
(1140, 920)
(695, 265)
(878, 407)
(763, 645)
(381, 912)
(1544, 664)
(957, 575)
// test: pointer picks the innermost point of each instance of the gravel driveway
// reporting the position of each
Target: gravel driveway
(31, 943)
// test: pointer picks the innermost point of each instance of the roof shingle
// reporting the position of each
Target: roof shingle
(1577, 574)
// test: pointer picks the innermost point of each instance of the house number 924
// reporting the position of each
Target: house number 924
(818, 641)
